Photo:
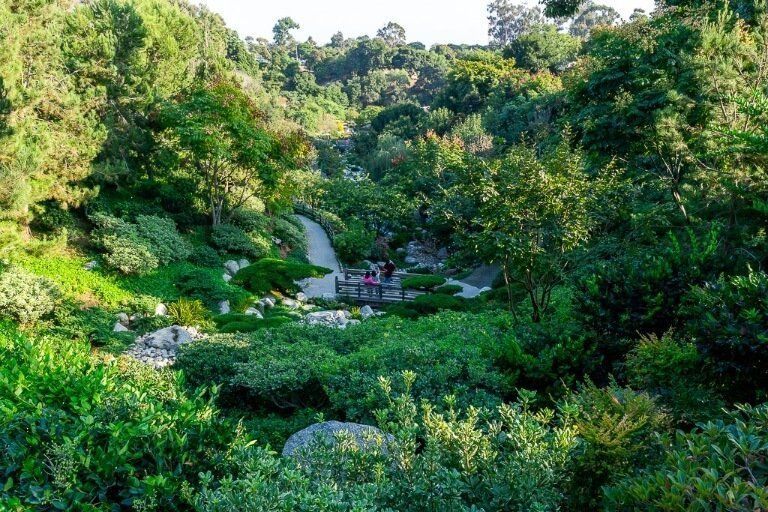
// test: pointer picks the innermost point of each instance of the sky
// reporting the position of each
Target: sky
(427, 21)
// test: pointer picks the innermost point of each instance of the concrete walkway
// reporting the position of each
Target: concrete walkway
(477, 282)
(320, 252)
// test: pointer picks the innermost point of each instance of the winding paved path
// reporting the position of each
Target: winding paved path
(320, 252)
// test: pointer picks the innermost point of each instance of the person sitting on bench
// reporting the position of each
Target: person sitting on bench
(369, 282)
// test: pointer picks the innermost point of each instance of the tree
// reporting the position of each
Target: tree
(231, 155)
(282, 33)
(543, 47)
(508, 21)
(337, 40)
(593, 15)
(393, 34)
(531, 214)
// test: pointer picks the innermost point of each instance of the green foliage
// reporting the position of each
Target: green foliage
(207, 286)
(205, 256)
(128, 256)
(290, 233)
(232, 323)
(269, 274)
(426, 283)
(162, 239)
(186, 312)
(354, 244)
(718, 464)
(619, 431)
(544, 47)
(73, 426)
(231, 239)
(728, 321)
(25, 297)
(675, 372)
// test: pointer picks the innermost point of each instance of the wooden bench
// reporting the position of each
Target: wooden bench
(355, 290)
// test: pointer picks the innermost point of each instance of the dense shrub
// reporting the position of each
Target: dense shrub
(509, 458)
(234, 322)
(205, 256)
(728, 321)
(162, 239)
(423, 282)
(618, 432)
(720, 465)
(128, 256)
(290, 233)
(208, 287)
(231, 239)
(79, 434)
(25, 297)
(428, 304)
(675, 372)
(50, 218)
(273, 274)
(355, 244)
(250, 220)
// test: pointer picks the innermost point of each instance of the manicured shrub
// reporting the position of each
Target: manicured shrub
(448, 289)
(719, 465)
(273, 274)
(205, 256)
(233, 322)
(162, 238)
(207, 286)
(425, 283)
(25, 297)
(428, 304)
(289, 233)
(128, 256)
(250, 220)
(728, 321)
(231, 239)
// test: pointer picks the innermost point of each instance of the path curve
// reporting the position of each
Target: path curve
(480, 280)
(320, 252)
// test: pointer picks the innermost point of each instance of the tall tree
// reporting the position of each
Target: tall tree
(593, 15)
(393, 34)
(282, 33)
(508, 21)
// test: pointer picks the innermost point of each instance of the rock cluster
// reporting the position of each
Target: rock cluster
(159, 348)
(232, 267)
(337, 319)
(366, 437)
(422, 255)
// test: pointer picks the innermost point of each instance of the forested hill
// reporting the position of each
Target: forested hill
(553, 296)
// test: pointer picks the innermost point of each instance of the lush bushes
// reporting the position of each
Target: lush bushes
(426, 283)
(728, 321)
(207, 286)
(290, 232)
(718, 466)
(25, 297)
(138, 248)
(354, 244)
(448, 289)
(231, 239)
(272, 274)
(79, 434)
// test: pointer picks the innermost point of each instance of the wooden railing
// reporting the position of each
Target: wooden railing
(354, 289)
(317, 216)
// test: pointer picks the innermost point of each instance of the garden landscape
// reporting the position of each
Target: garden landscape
(370, 274)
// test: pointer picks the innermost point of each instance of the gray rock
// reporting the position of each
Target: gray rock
(254, 312)
(91, 265)
(161, 310)
(124, 319)
(327, 318)
(366, 437)
(227, 278)
(168, 339)
(231, 267)
(268, 302)
(224, 307)
(243, 263)
(290, 303)
(410, 260)
(302, 297)
(366, 312)
(442, 253)
(120, 328)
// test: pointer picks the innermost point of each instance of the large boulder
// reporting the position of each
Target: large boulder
(336, 319)
(232, 267)
(168, 339)
(161, 310)
(302, 297)
(224, 307)
(366, 437)
(124, 319)
(119, 328)
(254, 312)
(243, 263)
(367, 312)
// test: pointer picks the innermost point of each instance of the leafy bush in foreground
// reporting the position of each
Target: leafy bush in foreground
(270, 274)
(79, 434)
(232, 239)
(720, 465)
(26, 297)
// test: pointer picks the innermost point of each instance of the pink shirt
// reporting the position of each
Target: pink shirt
(370, 281)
